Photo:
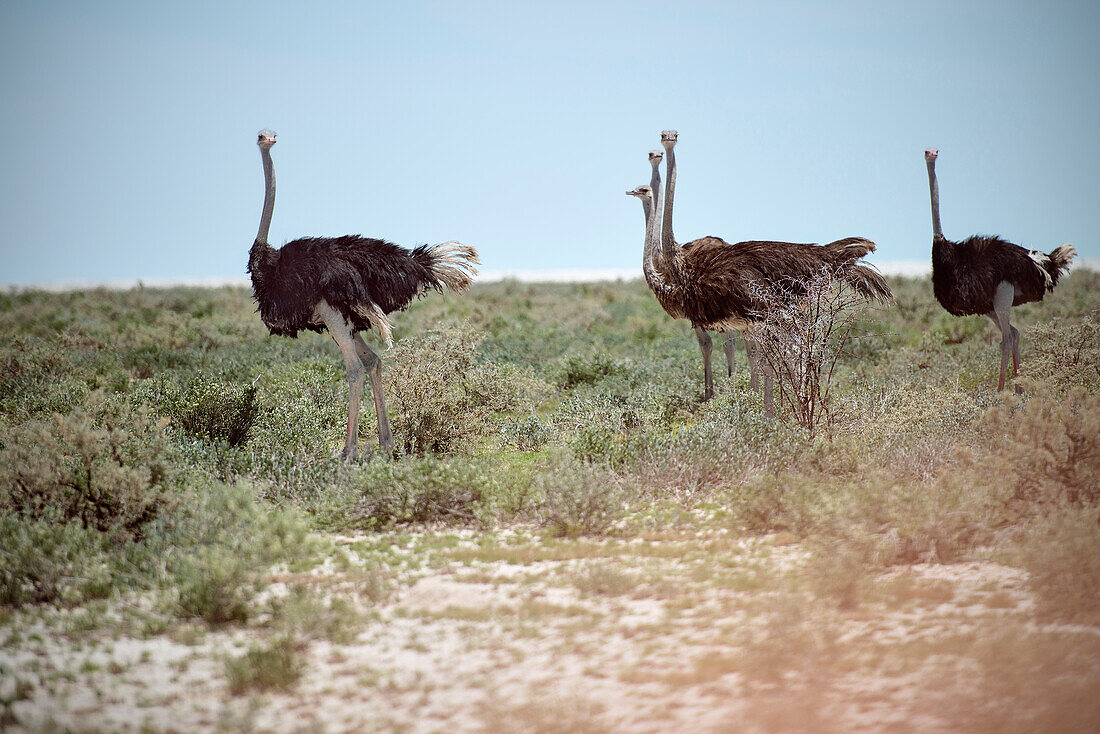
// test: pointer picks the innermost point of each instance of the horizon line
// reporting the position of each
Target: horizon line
(895, 268)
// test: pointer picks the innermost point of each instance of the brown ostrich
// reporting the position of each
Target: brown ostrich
(717, 285)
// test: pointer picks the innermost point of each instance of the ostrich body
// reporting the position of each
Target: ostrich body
(666, 260)
(986, 275)
(717, 285)
(345, 285)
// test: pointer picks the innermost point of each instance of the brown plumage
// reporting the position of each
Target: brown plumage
(722, 282)
(717, 286)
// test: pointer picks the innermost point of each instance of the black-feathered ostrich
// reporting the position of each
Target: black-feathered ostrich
(986, 275)
(717, 285)
(347, 284)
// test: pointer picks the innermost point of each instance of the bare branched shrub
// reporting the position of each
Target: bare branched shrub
(804, 328)
(440, 396)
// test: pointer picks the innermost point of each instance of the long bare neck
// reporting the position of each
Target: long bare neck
(652, 230)
(934, 189)
(269, 195)
(655, 184)
(668, 241)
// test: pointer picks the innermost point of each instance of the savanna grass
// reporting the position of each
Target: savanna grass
(569, 405)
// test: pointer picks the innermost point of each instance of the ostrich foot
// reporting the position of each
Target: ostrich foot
(349, 454)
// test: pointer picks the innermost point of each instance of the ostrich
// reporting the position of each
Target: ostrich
(989, 275)
(715, 284)
(346, 284)
(665, 262)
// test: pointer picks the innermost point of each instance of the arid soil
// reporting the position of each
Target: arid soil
(515, 632)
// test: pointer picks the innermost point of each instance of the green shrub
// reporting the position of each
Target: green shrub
(216, 584)
(214, 411)
(527, 435)
(440, 398)
(1063, 354)
(224, 546)
(414, 490)
(580, 499)
(1061, 552)
(42, 562)
(274, 666)
(577, 370)
(304, 615)
(107, 469)
(1047, 449)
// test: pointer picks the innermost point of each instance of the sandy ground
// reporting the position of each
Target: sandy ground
(703, 633)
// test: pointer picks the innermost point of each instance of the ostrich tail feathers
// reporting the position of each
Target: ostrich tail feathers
(1062, 255)
(1054, 264)
(851, 248)
(868, 282)
(452, 264)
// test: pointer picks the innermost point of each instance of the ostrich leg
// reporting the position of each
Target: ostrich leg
(374, 370)
(343, 333)
(727, 347)
(759, 366)
(1002, 309)
(706, 346)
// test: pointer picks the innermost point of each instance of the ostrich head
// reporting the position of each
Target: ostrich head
(645, 193)
(668, 138)
(266, 139)
(930, 154)
(655, 157)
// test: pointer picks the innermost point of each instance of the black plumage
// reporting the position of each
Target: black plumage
(987, 275)
(345, 285)
(347, 272)
(965, 275)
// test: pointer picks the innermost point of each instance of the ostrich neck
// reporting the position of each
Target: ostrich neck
(269, 195)
(934, 190)
(652, 227)
(668, 240)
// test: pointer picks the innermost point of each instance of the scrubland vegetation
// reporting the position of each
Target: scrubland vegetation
(168, 469)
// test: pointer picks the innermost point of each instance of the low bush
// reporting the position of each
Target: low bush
(43, 562)
(106, 468)
(527, 435)
(577, 370)
(212, 410)
(413, 490)
(1063, 354)
(276, 665)
(440, 397)
(580, 499)
(224, 544)
(1061, 552)
(1046, 449)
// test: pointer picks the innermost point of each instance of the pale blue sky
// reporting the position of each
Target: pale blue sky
(128, 129)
